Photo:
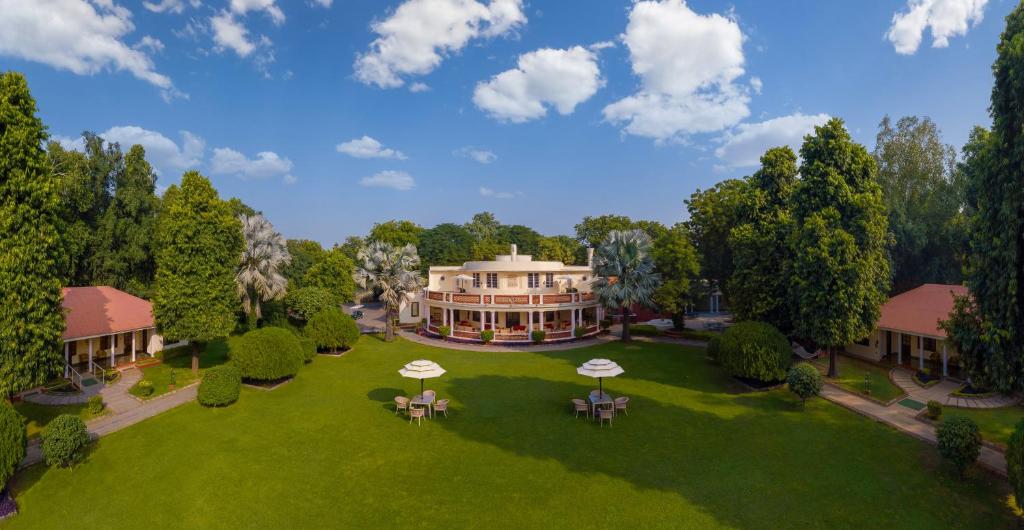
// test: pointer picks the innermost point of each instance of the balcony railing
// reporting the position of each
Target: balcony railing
(513, 336)
(510, 299)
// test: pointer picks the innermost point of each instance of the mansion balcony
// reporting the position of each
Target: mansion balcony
(487, 301)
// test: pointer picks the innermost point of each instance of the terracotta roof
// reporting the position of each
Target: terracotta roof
(918, 311)
(92, 311)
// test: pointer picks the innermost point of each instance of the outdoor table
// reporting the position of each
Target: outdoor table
(598, 400)
(419, 401)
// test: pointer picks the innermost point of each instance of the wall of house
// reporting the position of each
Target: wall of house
(890, 344)
(869, 351)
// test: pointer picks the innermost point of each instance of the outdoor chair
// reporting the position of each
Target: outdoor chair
(605, 414)
(401, 403)
(416, 413)
(441, 406)
(621, 403)
(578, 406)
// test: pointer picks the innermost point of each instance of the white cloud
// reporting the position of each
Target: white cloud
(152, 44)
(945, 19)
(488, 192)
(598, 46)
(399, 180)
(289, 179)
(69, 143)
(688, 64)
(162, 152)
(170, 6)
(483, 156)
(367, 147)
(241, 7)
(744, 146)
(267, 164)
(230, 33)
(559, 78)
(84, 37)
(321, 3)
(419, 87)
(415, 38)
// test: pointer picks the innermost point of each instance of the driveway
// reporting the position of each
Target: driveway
(373, 316)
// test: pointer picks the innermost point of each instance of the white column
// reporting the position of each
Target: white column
(113, 343)
(428, 316)
(90, 354)
(133, 345)
(542, 319)
(529, 321)
(67, 360)
(945, 371)
(494, 319)
(572, 319)
(920, 353)
(444, 316)
(899, 348)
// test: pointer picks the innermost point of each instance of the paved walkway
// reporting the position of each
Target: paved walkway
(67, 399)
(941, 392)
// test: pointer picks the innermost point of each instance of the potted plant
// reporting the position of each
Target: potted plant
(444, 331)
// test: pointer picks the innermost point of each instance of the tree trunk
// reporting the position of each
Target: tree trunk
(389, 331)
(195, 358)
(625, 324)
(833, 365)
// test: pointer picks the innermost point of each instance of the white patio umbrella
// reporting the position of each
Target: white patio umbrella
(422, 369)
(567, 279)
(600, 368)
(463, 278)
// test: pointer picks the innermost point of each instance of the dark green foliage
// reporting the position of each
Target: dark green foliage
(713, 214)
(676, 260)
(32, 262)
(95, 405)
(487, 335)
(267, 354)
(444, 331)
(13, 441)
(305, 302)
(304, 254)
(579, 332)
(606, 323)
(934, 410)
(220, 386)
(332, 330)
(754, 350)
(1015, 462)
(959, 441)
(64, 440)
(308, 349)
(714, 347)
(526, 239)
(559, 248)
(645, 330)
(593, 231)
(396, 233)
(199, 241)
(333, 272)
(445, 244)
(145, 388)
(804, 380)
(538, 335)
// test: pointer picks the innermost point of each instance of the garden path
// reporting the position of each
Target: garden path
(941, 392)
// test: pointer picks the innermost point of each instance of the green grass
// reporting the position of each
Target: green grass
(996, 424)
(38, 416)
(851, 377)
(180, 360)
(646, 330)
(327, 451)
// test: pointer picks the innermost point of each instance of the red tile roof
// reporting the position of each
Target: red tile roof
(918, 311)
(93, 311)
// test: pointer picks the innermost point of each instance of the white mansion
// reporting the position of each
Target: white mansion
(513, 295)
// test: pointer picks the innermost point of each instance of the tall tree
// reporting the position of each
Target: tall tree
(713, 214)
(758, 284)
(394, 272)
(352, 246)
(199, 240)
(916, 171)
(124, 238)
(526, 239)
(988, 328)
(396, 233)
(333, 272)
(486, 249)
(676, 261)
(839, 274)
(593, 231)
(264, 255)
(626, 273)
(304, 254)
(445, 244)
(483, 226)
(31, 260)
(558, 248)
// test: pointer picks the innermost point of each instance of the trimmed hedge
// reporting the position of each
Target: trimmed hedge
(579, 332)
(64, 440)
(538, 335)
(804, 380)
(13, 440)
(308, 349)
(220, 386)
(487, 335)
(934, 410)
(332, 330)
(755, 350)
(714, 347)
(444, 331)
(305, 302)
(267, 354)
(95, 405)
(959, 441)
(1015, 462)
(645, 330)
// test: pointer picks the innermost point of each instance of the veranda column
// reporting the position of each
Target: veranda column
(90, 354)
(529, 321)
(444, 316)
(67, 360)
(945, 371)
(494, 319)
(899, 349)
(428, 317)
(133, 346)
(920, 353)
(113, 343)
(542, 319)
(572, 319)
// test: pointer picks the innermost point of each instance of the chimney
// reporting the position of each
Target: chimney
(514, 252)
(590, 257)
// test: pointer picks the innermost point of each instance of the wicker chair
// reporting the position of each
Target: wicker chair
(401, 403)
(621, 403)
(417, 414)
(578, 405)
(605, 414)
(441, 406)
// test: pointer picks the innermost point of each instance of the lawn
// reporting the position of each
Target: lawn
(179, 360)
(851, 377)
(996, 424)
(37, 416)
(327, 450)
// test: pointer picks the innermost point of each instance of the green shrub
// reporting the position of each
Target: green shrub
(64, 439)
(934, 409)
(606, 323)
(755, 350)
(13, 440)
(332, 330)
(308, 349)
(487, 335)
(538, 335)
(144, 388)
(1015, 462)
(714, 347)
(220, 386)
(959, 441)
(444, 331)
(305, 302)
(646, 330)
(804, 380)
(95, 405)
(696, 334)
(267, 354)
(579, 332)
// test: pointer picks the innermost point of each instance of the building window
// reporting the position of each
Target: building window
(414, 310)
(492, 280)
(929, 344)
(476, 280)
(533, 280)
(866, 341)
(549, 279)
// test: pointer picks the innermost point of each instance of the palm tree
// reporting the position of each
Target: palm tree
(625, 273)
(259, 278)
(395, 272)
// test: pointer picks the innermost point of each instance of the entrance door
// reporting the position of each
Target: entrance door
(511, 319)
(905, 348)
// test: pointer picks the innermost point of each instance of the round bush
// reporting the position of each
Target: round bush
(487, 335)
(444, 331)
(959, 441)
(145, 388)
(95, 404)
(714, 346)
(332, 330)
(579, 332)
(804, 380)
(754, 350)
(267, 354)
(220, 386)
(13, 440)
(1015, 462)
(305, 302)
(64, 440)
(934, 409)
(538, 335)
(308, 349)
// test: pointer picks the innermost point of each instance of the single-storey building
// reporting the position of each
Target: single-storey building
(908, 329)
(102, 324)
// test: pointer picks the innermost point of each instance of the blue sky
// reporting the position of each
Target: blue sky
(541, 112)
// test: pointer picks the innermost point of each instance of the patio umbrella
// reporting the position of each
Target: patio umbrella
(463, 278)
(422, 369)
(600, 368)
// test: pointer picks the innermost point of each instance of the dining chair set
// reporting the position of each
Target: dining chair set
(601, 406)
(425, 405)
